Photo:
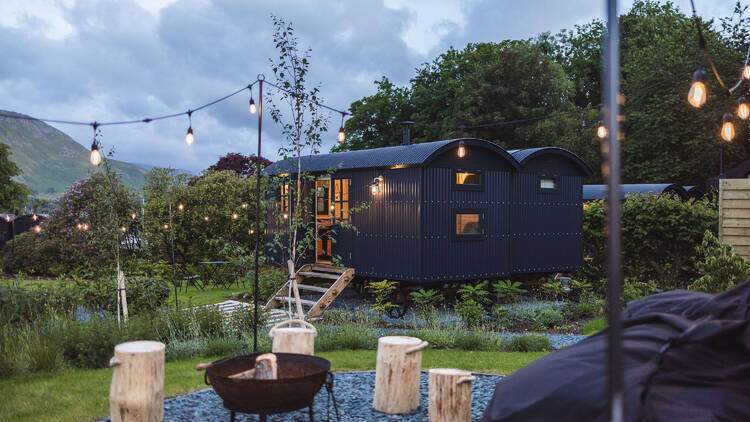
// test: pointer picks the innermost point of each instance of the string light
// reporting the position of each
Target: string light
(189, 137)
(34, 217)
(252, 231)
(341, 135)
(235, 215)
(727, 129)
(37, 228)
(244, 205)
(205, 217)
(461, 149)
(96, 157)
(166, 226)
(601, 131)
(253, 109)
(286, 216)
(697, 93)
(746, 72)
(79, 226)
(743, 110)
(124, 229)
(180, 206)
(85, 226)
(132, 216)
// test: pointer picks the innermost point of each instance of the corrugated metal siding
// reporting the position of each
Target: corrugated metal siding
(546, 227)
(386, 243)
(445, 259)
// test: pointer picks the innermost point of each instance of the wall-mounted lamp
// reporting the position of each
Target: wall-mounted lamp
(461, 150)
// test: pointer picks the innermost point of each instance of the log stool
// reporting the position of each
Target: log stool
(450, 395)
(137, 390)
(397, 374)
(294, 339)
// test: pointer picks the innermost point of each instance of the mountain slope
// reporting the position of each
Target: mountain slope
(51, 161)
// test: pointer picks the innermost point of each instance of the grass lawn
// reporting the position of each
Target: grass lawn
(594, 326)
(196, 297)
(83, 394)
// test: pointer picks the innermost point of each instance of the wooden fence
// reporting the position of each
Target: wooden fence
(734, 214)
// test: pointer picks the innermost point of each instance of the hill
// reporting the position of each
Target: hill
(51, 161)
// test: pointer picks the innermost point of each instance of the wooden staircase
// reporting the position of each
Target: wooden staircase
(336, 279)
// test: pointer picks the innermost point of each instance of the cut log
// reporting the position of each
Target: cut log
(299, 340)
(450, 395)
(266, 367)
(397, 370)
(137, 390)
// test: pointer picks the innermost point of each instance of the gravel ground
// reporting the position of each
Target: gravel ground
(353, 391)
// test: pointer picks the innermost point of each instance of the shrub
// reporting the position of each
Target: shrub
(633, 289)
(553, 290)
(470, 312)
(382, 291)
(477, 293)
(507, 290)
(24, 305)
(146, 294)
(270, 281)
(219, 346)
(547, 318)
(720, 268)
(529, 343)
(659, 238)
(438, 339)
(353, 337)
(425, 302)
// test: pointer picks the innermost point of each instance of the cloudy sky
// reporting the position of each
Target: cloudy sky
(110, 60)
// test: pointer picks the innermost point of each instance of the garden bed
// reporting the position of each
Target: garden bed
(353, 392)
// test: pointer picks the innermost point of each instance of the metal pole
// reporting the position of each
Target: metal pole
(257, 215)
(614, 258)
(171, 241)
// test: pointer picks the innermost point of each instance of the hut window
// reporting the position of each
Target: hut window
(284, 192)
(548, 183)
(468, 224)
(322, 199)
(340, 200)
(468, 180)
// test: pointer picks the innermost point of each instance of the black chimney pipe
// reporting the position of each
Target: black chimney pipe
(407, 132)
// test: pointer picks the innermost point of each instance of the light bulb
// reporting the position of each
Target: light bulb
(132, 216)
(37, 229)
(374, 189)
(166, 226)
(697, 93)
(746, 72)
(85, 226)
(461, 150)
(601, 131)
(95, 157)
(205, 217)
(727, 129)
(79, 226)
(235, 216)
(124, 229)
(286, 216)
(252, 231)
(342, 135)
(180, 207)
(189, 137)
(743, 110)
(253, 109)
(34, 217)
(244, 205)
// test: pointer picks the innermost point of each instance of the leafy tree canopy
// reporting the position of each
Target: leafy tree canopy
(12, 194)
(239, 163)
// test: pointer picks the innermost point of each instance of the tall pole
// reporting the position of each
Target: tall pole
(171, 241)
(721, 162)
(611, 170)
(257, 215)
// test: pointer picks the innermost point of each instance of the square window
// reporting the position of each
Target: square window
(467, 223)
(467, 178)
(547, 183)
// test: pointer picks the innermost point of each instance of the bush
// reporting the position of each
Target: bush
(146, 294)
(547, 318)
(507, 290)
(529, 343)
(634, 290)
(659, 238)
(470, 313)
(382, 291)
(353, 337)
(438, 339)
(425, 302)
(24, 305)
(720, 268)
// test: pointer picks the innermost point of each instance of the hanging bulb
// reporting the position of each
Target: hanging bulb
(253, 109)
(235, 216)
(743, 110)
(697, 93)
(461, 150)
(601, 131)
(95, 157)
(34, 217)
(124, 229)
(189, 137)
(180, 206)
(342, 135)
(746, 72)
(205, 217)
(85, 226)
(79, 226)
(166, 226)
(252, 231)
(132, 216)
(244, 205)
(37, 228)
(727, 129)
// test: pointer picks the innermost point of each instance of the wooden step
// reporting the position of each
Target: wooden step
(314, 274)
(312, 288)
(328, 268)
(291, 300)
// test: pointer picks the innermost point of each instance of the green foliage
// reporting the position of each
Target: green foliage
(720, 267)
(659, 238)
(579, 290)
(470, 312)
(507, 290)
(382, 291)
(530, 343)
(23, 305)
(477, 293)
(426, 302)
(12, 193)
(634, 289)
(594, 326)
(547, 318)
(553, 290)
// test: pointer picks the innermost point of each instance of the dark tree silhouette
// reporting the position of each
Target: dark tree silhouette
(239, 163)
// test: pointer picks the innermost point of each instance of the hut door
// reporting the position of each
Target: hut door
(342, 247)
(323, 220)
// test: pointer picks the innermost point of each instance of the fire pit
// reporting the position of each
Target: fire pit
(300, 377)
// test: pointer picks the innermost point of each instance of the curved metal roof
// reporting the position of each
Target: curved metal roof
(401, 155)
(591, 192)
(524, 155)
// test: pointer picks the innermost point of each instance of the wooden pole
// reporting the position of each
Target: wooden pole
(137, 390)
(397, 371)
(450, 395)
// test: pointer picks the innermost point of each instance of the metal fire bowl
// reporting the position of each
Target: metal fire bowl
(300, 379)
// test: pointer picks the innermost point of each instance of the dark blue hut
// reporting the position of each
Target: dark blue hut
(449, 210)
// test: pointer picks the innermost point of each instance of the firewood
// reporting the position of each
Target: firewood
(266, 367)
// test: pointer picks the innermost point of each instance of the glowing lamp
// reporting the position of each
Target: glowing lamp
(341, 136)
(235, 215)
(253, 109)
(743, 109)
(727, 128)
(601, 131)
(286, 216)
(124, 229)
(461, 150)
(746, 72)
(189, 137)
(166, 226)
(180, 207)
(95, 157)
(697, 93)
(37, 229)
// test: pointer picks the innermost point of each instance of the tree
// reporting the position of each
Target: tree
(241, 164)
(13, 195)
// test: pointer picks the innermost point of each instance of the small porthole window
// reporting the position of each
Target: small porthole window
(547, 183)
